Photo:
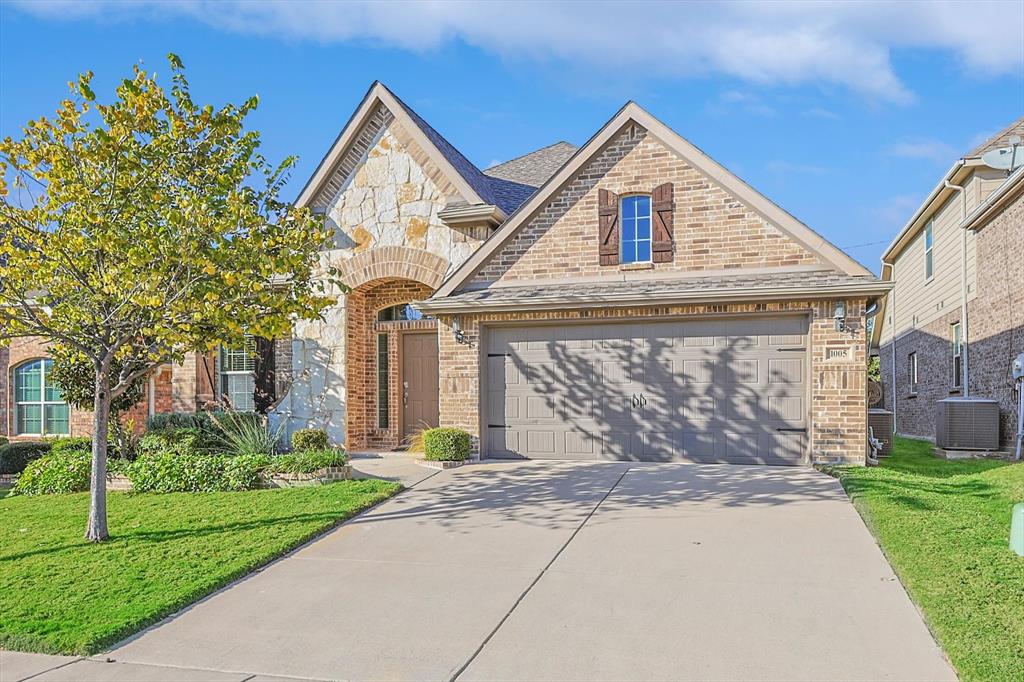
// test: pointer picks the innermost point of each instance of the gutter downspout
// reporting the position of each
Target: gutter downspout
(963, 287)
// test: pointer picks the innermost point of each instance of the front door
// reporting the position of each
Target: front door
(419, 382)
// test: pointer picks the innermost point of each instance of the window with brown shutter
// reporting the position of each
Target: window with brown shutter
(608, 226)
(661, 208)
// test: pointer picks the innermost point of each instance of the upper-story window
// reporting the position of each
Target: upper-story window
(400, 313)
(39, 407)
(956, 353)
(929, 243)
(238, 375)
(636, 228)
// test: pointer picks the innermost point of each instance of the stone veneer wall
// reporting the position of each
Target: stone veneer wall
(838, 425)
(713, 230)
(390, 205)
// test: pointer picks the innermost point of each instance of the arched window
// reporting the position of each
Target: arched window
(401, 312)
(39, 407)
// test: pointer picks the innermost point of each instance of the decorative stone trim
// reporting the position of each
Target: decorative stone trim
(393, 262)
(321, 477)
(433, 464)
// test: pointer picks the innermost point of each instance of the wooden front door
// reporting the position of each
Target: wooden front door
(419, 382)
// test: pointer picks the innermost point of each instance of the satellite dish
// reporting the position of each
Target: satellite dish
(1007, 158)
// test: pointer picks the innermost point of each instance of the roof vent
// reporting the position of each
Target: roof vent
(967, 424)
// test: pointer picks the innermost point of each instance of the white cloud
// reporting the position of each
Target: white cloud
(821, 112)
(932, 150)
(770, 42)
(893, 213)
(744, 101)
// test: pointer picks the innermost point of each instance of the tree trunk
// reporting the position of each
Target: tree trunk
(96, 531)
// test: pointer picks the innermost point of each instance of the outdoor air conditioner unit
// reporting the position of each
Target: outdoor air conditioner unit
(967, 424)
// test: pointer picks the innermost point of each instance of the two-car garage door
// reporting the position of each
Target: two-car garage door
(712, 390)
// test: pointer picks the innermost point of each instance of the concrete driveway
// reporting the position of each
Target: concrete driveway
(541, 571)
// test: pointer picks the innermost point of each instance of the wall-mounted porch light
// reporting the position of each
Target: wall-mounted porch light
(460, 336)
(839, 315)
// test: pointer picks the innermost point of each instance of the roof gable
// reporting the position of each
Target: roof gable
(633, 114)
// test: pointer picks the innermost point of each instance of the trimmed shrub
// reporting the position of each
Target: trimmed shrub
(176, 441)
(62, 472)
(307, 461)
(309, 439)
(446, 445)
(14, 457)
(195, 473)
(76, 444)
(3, 441)
(180, 420)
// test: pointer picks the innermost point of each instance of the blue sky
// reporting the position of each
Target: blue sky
(844, 114)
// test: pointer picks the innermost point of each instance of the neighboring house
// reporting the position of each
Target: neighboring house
(32, 407)
(954, 320)
(631, 299)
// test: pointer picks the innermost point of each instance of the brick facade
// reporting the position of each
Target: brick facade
(361, 333)
(838, 406)
(713, 230)
(996, 336)
(25, 349)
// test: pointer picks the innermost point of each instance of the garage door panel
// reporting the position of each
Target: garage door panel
(688, 390)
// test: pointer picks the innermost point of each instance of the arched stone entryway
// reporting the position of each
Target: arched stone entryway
(335, 359)
(377, 366)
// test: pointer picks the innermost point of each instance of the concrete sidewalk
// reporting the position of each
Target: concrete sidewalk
(562, 571)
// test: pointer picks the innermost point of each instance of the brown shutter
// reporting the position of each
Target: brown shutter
(661, 210)
(265, 394)
(608, 226)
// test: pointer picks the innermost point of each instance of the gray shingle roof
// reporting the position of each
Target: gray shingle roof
(813, 282)
(1000, 139)
(505, 192)
(534, 168)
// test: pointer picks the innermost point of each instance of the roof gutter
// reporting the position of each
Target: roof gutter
(734, 295)
(890, 250)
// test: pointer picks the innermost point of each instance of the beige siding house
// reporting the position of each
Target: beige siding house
(952, 321)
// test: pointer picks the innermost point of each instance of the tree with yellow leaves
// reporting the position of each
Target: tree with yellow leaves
(134, 232)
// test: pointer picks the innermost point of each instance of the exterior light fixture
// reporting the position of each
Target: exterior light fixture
(839, 315)
(460, 336)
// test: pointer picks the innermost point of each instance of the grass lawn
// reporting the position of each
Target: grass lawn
(945, 527)
(61, 594)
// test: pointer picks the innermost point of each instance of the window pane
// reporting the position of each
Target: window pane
(53, 394)
(643, 228)
(57, 419)
(241, 359)
(628, 229)
(239, 390)
(628, 252)
(28, 380)
(643, 207)
(643, 251)
(28, 419)
(383, 385)
(928, 264)
(928, 236)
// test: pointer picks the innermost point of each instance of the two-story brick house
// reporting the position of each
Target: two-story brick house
(629, 299)
(954, 320)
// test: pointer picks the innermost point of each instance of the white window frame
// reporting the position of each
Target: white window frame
(42, 403)
(248, 369)
(622, 224)
(929, 252)
(912, 371)
(956, 348)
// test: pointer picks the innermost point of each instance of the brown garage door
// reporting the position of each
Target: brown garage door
(722, 390)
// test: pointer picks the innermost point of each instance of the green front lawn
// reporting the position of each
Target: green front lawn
(61, 594)
(945, 527)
